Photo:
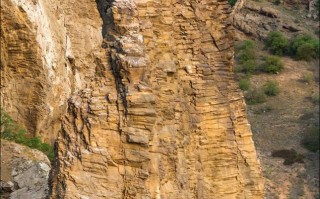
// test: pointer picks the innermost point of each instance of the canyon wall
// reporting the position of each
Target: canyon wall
(137, 95)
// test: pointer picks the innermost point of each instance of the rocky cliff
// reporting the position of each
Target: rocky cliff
(138, 96)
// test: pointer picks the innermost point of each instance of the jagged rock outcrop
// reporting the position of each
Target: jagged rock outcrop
(24, 172)
(150, 108)
(258, 19)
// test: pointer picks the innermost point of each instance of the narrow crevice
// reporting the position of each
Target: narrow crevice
(120, 87)
(108, 27)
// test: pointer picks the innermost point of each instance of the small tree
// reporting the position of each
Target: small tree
(277, 43)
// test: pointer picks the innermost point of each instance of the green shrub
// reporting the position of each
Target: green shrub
(248, 67)
(271, 88)
(311, 139)
(255, 96)
(305, 52)
(277, 43)
(272, 64)
(304, 47)
(10, 130)
(244, 84)
(289, 156)
(246, 56)
(245, 51)
(232, 2)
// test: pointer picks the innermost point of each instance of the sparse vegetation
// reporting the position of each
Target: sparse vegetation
(11, 131)
(255, 96)
(307, 78)
(296, 105)
(244, 84)
(265, 109)
(273, 64)
(311, 139)
(245, 50)
(289, 156)
(277, 43)
(307, 116)
(271, 88)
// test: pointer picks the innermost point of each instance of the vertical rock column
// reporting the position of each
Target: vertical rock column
(164, 118)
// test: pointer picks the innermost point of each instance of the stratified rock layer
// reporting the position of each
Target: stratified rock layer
(152, 107)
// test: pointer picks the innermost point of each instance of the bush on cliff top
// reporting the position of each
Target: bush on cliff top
(10, 130)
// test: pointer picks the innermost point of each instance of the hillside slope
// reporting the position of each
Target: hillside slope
(283, 121)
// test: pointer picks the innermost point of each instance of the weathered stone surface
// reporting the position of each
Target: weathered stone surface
(258, 19)
(152, 110)
(24, 172)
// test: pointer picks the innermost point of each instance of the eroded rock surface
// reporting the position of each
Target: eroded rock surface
(150, 108)
(257, 19)
(24, 172)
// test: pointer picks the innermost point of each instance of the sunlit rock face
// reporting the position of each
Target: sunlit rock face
(138, 96)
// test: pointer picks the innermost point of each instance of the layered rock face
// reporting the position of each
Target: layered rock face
(150, 108)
